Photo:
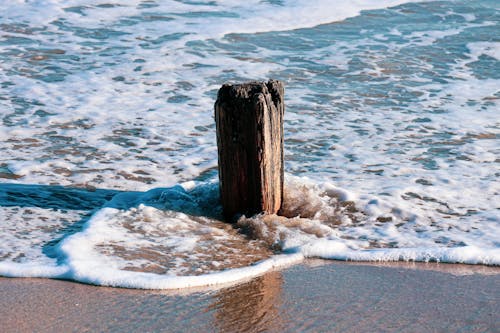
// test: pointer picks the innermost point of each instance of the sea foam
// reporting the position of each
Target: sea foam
(109, 155)
(173, 238)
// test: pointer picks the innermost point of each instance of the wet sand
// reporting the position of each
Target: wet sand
(316, 296)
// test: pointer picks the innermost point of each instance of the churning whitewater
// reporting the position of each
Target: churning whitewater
(108, 168)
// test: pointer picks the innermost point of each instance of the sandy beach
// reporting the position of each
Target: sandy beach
(316, 296)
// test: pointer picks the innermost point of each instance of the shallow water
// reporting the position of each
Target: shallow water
(313, 296)
(108, 153)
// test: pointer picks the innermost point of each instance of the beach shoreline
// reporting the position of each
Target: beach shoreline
(316, 295)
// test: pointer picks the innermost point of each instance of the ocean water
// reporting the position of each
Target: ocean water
(108, 157)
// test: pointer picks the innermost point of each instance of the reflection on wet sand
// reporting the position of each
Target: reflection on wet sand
(454, 269)
(253, 306)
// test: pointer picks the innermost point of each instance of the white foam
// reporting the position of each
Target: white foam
(400, 143)
(384, 233)
(477, 49)
(39, 270)
(178, 236)
(24, 231)
(465, 255)
(237, 17)
(108, 98)
(138, 235)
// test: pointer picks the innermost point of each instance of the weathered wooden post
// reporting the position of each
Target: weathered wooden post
(249, 121)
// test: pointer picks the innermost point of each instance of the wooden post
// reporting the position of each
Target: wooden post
(249, 121)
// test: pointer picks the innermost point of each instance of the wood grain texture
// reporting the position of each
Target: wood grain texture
(249, 121)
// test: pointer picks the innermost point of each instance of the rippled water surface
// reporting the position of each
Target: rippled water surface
(108, 159)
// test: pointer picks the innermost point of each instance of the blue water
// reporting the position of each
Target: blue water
(391, 134)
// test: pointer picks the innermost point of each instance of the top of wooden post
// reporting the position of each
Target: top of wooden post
(244, 91)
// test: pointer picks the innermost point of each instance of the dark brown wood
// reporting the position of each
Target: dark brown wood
(249, 121)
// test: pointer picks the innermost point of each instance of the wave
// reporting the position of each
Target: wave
(171, 238)
(207, 19)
